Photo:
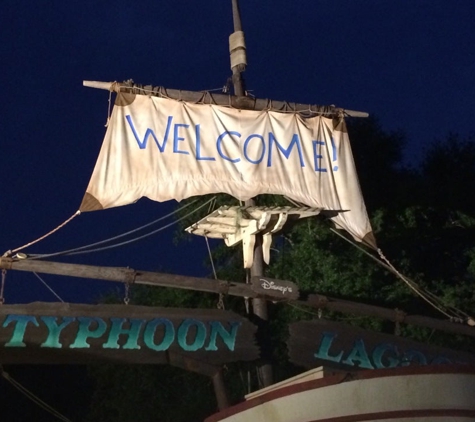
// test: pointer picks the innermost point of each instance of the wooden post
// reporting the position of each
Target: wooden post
(220, 390)
(259, 307)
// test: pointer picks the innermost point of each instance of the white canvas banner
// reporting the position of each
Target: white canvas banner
(166, 149)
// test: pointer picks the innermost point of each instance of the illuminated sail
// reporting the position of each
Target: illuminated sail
(166, 149)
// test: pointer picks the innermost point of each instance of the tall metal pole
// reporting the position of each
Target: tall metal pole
(237, 49)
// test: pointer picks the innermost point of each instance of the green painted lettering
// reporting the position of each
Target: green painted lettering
(358, 354)
(378, 354)
(85, 332)
(54, 330)
(168, 336)
(117, 329)
(325, 344)
(228, 337)
(413, 356)
(200, 335)
(20, 328)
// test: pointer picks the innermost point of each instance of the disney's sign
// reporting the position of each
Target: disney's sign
(275, 289)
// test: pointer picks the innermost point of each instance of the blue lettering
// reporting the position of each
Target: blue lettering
(149, 132)
(168, 337)
(199, 337)
(295, 141)
(177, 139)
(20, 328)
(246, 143)
(358, 354)
(198, 146)
(378, 354)
(84, 331)
(54, 330)
(335, 168)
(117, 329)
(228, 337)
(325, 344)
(220, 151)
(413, 356)
(317, 157)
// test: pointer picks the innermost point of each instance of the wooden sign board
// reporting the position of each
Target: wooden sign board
(69, 333)
(273, 289)
(321, 342)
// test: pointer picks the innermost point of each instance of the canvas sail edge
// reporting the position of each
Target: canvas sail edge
(167, 149)
(90, 203)
(206, 97)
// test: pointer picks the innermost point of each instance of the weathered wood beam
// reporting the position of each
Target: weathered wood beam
(128, 275)
(206, 97)
(348, 307)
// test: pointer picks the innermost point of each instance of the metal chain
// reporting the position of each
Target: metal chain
(399, 318)
(397, 329)
(2, 287)
(126, 295)
(223, 290)
(220, 304)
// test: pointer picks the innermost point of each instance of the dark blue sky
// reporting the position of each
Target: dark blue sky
(410, 62)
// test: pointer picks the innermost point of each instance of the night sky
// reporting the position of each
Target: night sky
(409, 62)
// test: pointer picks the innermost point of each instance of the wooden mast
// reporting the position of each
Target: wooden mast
(237, 51)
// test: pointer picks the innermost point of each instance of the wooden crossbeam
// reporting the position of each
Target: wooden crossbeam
(128, 275)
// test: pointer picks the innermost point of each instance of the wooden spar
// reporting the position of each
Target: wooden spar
(348, 307)
(128, 275)
(240, 102)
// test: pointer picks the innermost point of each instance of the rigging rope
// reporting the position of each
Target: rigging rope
(449, 311)
(115, 237)
(10, 252)
(32, 396)
(161, 92)
(413, 286)
(145, 235)
(220, 304)
(211, 258)
(453, 313)
(317, 314)
(48, 287)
